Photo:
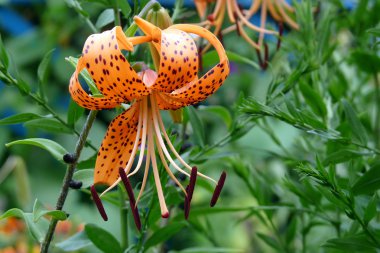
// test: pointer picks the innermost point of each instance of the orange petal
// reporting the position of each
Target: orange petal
(178, 61)
(199, 90)
(109, 69)
(87, 101)
(116, 147)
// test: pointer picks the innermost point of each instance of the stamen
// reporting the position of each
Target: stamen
(131, 196)
(218, 189)
(280, 32)
(190, 191)
(266, 56)
(237, 24)
(98, 203)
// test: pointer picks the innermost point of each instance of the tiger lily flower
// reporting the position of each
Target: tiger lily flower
(174, 85)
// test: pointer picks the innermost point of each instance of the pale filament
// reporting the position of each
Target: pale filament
(161, 124)
(146, 172)
(263, 21)
(161, 198)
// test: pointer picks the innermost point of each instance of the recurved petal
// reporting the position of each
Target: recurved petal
(116, 147)
(111, 72)
(198, 90)
(178, 61)
(87, 101)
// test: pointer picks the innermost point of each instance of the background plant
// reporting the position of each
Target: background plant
(301, 140)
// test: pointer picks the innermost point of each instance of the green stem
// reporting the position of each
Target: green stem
(377, 118)
(123, 220)
(68, 177)
(91, 25)
(117, 14)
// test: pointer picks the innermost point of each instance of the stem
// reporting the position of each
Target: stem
(91, 25)
(68, 177)
(123, 220)
(117, 14)
(377, 118)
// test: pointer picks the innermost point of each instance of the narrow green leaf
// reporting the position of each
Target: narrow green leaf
(197, 125)
(74, 113)
(163, 234)
(365, 61)
(270, 241)
(219, 111)
(124, 7)
(374, 31)
(76, 242)
(4, 59)
(313, 99)
(85, 176)
(23, 87)
(369, 182)
(87, 164)
(39, 210)
(102, 239)
(43, 73)
(19, 118)
(52, 147)
(352, 243)
(358, 129)
(105, 18)
(208, 250)
(211, 57)
(371, 209)
(49, 125)
(342, 155)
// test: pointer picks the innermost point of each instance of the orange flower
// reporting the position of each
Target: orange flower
(175, 85)
(240, 18)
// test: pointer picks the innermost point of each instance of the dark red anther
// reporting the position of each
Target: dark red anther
(132, 201)
(193, 179)
(220, 37)
(211, 18)
(98, 203)
(237, 23)
(259, 57)
(200, 59)
(266, 56)
(280, 32)
(218, 189)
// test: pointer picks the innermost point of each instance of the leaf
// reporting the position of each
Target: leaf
(163, 234)
(367, 62)
(270, 241)
(220, 111)
(74, 113)
(20, 118)
(84, 176)
(342, 155)
(313, 99)
(358, 129)
(106, 17)
(42, 71)
(4, 58)
(371, 210)
(89, 163)
(102, 239)
(39, 210)
(352, 244)
(369, 182)
(197, 126)
(374, 31)
(208, 250)
(52, 147)
(124, 7)
(23, 87)
(37, 234)
(76, 242)
(49, 125)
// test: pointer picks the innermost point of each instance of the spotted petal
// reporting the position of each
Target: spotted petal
(111, 72)
(116, 147)
(198, 90)
(178, 61)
